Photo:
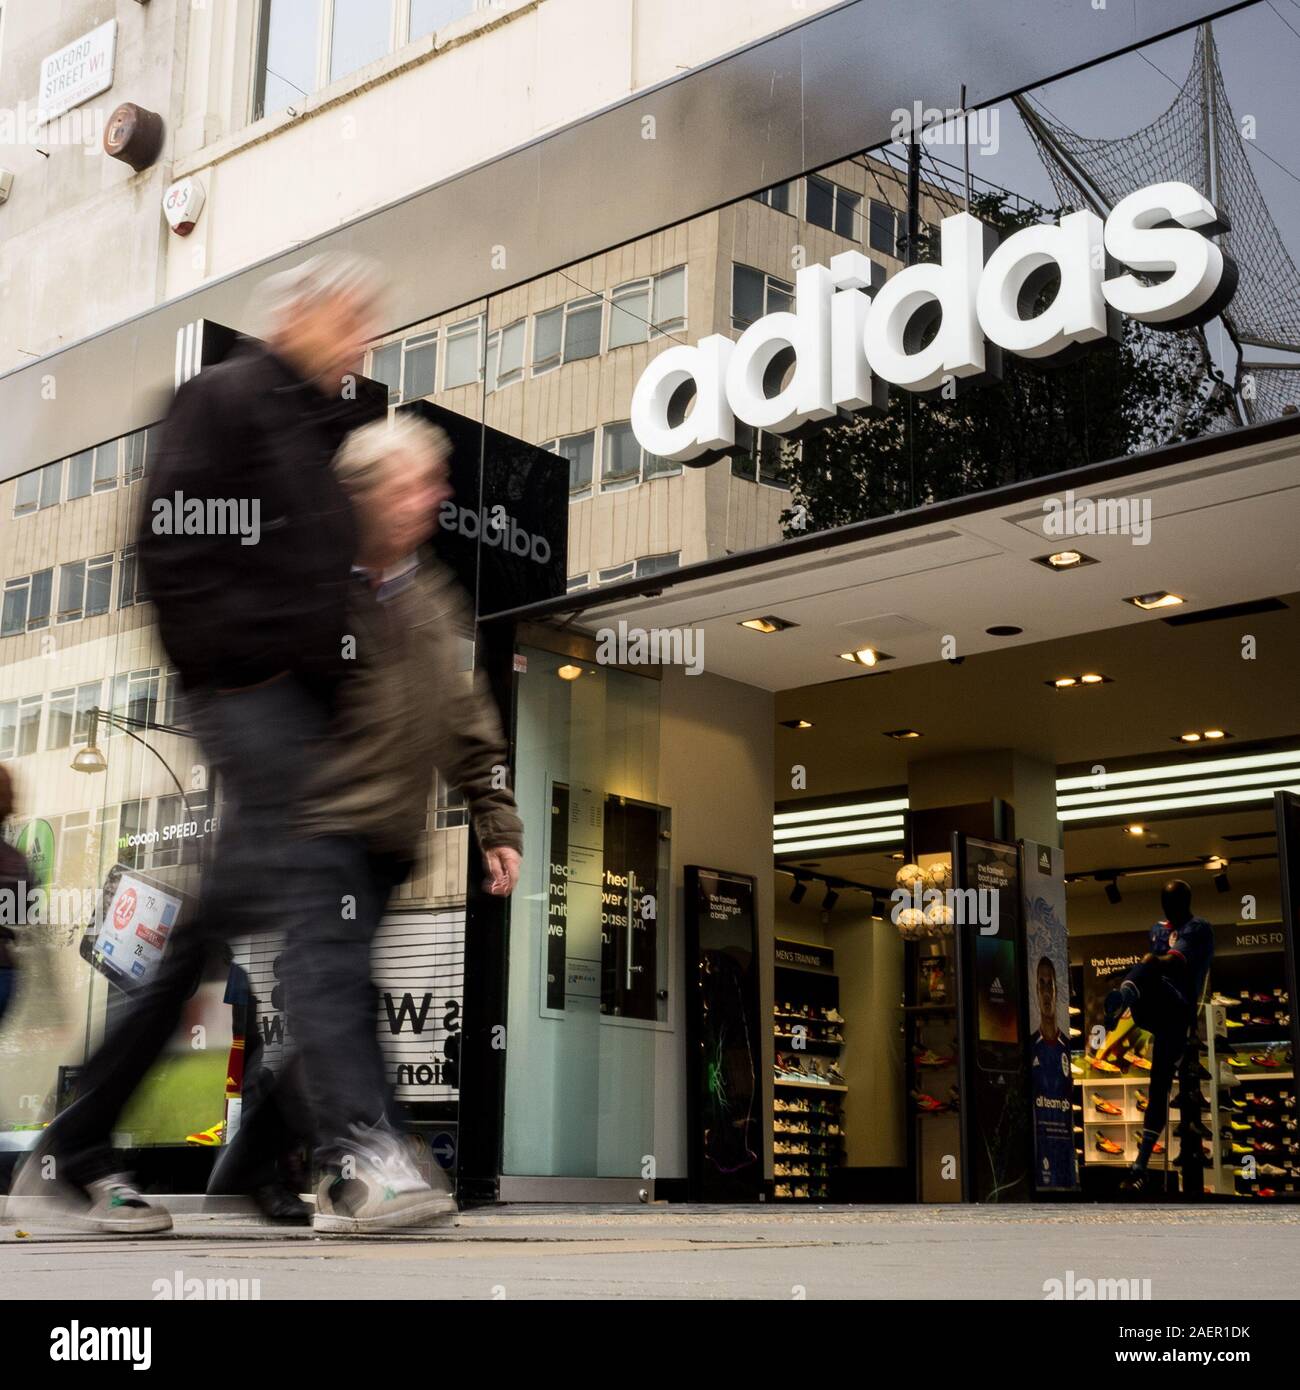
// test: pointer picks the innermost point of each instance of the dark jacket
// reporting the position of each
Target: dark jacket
(249, 430)
(412, 705)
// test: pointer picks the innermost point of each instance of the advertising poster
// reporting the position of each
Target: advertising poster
(995, 1109)
(723, 1040)
(1047, 965)
(36, 841)
(134, 927)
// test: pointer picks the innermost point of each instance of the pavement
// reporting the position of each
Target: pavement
(681, 1252)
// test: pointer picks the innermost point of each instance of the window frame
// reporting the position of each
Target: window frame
(650, 285)
(457, 331)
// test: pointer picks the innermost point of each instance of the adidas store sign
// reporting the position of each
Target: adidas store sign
(852, 334)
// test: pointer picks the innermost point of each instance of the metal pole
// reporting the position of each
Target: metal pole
(913, 196)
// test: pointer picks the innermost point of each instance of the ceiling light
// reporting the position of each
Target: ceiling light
(831, 898)
(1182, 738)
(901, 733)
(1092, 678)
(1064, 560)
(866, 656)
(1069, 682)
(1216, 861)
(1159, 598)
(795, 723)
(1135, 830)
(1112, 891)
(1004, 630)
(1215, 733)
(798, 891)
(569, 672)
(1061, 682)
(1221, 883)
(767, 624)
(1196, 736)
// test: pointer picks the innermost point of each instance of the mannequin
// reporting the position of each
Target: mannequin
(1161, 993)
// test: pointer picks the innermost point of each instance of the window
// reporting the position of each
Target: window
(831, 206)
(68, 721)
(287, 53)
(135, 696)
(92, 470)
(141, 448)
(428, 15)
(569, 333)
(464, 353)
(781, 196)
(176, 828)
(173, 710)
(657, 564)
(625, 462)
(622, 457)
(130, 586)
(884, 229)
(8, 727)
(39, 489)
(616, 572)
(505, 356)
(85, 588)
(580, 450)
(26, 603)
(648, 308)
(754, 294)
(575, 584)
(419, 366)
(29, 725)
(760, 457)
(449, 805)
(359, 34)
(386, 366)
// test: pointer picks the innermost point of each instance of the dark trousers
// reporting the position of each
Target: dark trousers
(261, 744)
(1163, 1009)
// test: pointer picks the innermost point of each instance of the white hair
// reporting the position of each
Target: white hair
(325, 276)
(368, 452)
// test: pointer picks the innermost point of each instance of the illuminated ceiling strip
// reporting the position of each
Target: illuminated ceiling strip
(865, 808)
(1179, 770)
(1275, 777)
(880, 837)
(1178, 803)
(840, 827)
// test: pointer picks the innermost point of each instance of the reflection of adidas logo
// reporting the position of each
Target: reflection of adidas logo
(497, 528)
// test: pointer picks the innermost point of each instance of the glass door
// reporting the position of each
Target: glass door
(589, 937)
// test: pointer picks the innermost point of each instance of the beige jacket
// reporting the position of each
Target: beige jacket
(409, 707)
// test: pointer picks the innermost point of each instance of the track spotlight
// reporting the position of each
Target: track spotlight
(831, 898)
(1221, 882)
(799, 891)
(1112, 891)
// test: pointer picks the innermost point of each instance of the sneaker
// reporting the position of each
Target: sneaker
(112, 1205)
(208, 1138)
(386, 1191)
(1226, 1000)
(1106, 1107)
(1107, 1145)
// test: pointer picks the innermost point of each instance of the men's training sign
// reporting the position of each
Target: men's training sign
(853, 334)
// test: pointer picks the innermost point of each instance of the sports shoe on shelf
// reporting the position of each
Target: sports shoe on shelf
(1106, 1107)
(1107, 1145)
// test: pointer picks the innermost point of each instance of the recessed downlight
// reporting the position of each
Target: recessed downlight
(866, 656)
(1004, 630)
(569, 672)
(1064, 560)
(901, 733)
(767, 623)
(1190, 737)
(1158, 598)
(1068, 682)
(1202, 735)
(795, 723)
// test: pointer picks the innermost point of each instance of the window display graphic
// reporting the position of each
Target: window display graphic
(1047, 966)
(722, 1036)
(627, 973)
(997, 1142)
(134, 925)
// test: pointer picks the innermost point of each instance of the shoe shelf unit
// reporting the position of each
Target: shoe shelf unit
(809, 1088)
(1128, 1094)
(1254, 1113)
